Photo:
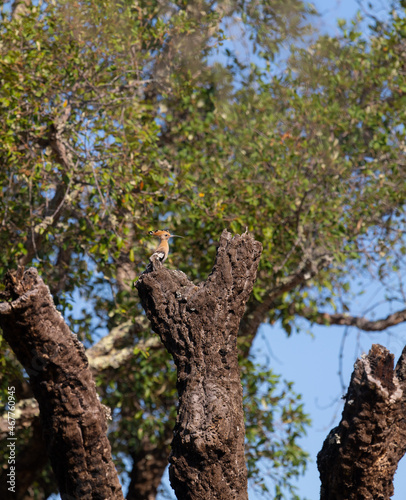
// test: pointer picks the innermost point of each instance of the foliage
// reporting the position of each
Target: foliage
(118, 117)
(274, 421)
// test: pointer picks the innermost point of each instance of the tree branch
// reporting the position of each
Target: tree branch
(73, 419)
(54, 211)
(323, 318)
(257, 311)
(149, 464)
(113, 350)
(359, 457)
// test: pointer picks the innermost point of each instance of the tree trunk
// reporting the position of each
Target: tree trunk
(149, 464)
(359, 457)
(199, 325)
(73, 419)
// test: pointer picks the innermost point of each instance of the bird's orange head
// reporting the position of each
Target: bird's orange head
(163, 234)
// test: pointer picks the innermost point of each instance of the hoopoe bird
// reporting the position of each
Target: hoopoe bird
(163, 247)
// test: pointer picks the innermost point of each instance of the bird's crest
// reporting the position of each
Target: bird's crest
(160, 232)
(163, 234)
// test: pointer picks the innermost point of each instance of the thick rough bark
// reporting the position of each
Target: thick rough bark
(199, 325)
(359, 457)
(73, 419)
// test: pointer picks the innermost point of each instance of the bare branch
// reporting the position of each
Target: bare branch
(54, 211)
(323, 318)
(113, 350)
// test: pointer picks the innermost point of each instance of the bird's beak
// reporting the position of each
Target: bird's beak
(176, 236)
